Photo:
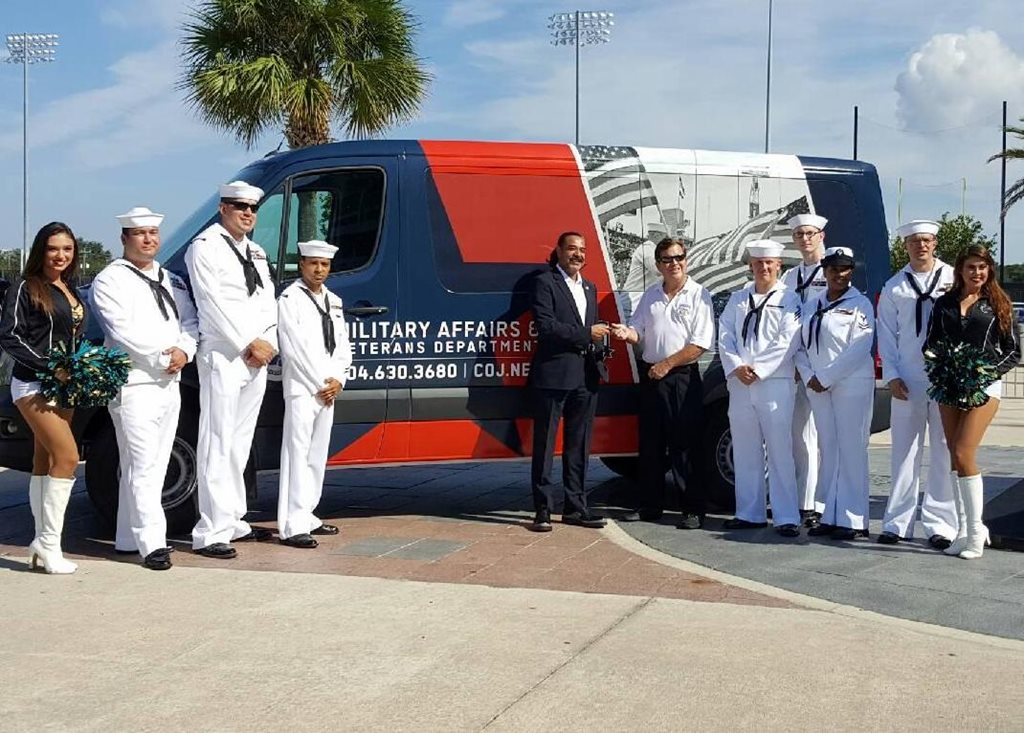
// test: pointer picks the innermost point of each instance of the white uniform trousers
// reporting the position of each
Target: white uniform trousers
(842, 415)
(307, 437)
(909, 420)
(805, 451)
(761, 418)
(230, 395)
(145, 418)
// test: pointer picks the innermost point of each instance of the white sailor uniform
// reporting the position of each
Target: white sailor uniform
(312, 350)
(761, 331)
(144, 313)
(235, 308)
(807, 281)
(904, 309)
(836, 348)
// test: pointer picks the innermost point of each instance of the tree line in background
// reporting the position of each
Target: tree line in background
(92, 257)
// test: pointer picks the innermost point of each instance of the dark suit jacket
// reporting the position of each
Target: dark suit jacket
(565, 357)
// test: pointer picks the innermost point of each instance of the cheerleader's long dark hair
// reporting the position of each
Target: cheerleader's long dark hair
(997, 297)
(35, 282)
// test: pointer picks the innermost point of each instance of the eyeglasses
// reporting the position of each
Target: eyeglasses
(243, 206)
(810, 233)
(669, 259)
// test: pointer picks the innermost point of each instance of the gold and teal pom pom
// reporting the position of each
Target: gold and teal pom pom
(95, 374)
(959, 374)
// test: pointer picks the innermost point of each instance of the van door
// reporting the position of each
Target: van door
(351, 206)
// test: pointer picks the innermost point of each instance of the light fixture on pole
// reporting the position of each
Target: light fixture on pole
(25, 49)
(580, 28)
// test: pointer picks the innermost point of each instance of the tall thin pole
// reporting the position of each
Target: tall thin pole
(1002, 206)
(856, 121)
(24, 154)
(963, 196)
(578, 41)
(899, 200)
(768, 86)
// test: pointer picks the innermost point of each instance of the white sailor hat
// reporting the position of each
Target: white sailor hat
(838, 256)
(764, 248)
(139, 216)
(241, 191)
(807, 220)
(317, 248)
(918, 226)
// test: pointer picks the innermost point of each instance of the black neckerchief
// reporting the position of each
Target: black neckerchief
(163, 298)
(801, 284)
(923, 296)
(754, 314)
(814, 325)
(326, 324)
(252, 276)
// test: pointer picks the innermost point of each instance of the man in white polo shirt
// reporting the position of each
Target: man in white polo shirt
(904, 309)
(674, 324)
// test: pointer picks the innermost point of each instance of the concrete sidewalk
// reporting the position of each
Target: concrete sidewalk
(1006, 430)
(112, 648)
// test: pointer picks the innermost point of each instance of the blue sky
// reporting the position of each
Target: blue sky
(108, 130)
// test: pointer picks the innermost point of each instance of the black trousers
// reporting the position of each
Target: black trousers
(577, 407)
(671, 417)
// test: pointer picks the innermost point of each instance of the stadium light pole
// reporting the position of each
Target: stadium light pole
(25, 49)
(580, 28)
(768, 86)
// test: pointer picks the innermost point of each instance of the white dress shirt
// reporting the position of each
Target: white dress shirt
(667, 325)
(578, 293)
(305, 363)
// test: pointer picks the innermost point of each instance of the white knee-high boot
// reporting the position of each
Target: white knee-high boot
(960, 542)
(35, 502)
(974, 501)
(46, 546)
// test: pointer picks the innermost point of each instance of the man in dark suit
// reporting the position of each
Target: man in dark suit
(564, 375)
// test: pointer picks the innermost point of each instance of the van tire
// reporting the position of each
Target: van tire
(103, 472)
(716, 457)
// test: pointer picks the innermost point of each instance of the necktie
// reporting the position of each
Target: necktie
(922, 297)
(252, 276)
(801, 284)
(814, 325)
(163, 298)
(754, 314)
(326, 324)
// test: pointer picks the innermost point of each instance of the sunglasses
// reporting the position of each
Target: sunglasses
(243, 206)
(669, 259)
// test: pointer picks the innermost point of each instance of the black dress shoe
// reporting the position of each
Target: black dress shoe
(820, 530)
(256, 534)
(629, 517)
(788, 530)
(590, 521)
(541, 521)
(690, 521)
(158, 559)
(810, 518)
(737, 523)
(889, 538)
(325, 529)
(219, 550)
(300, 540)
(847, 533)
(939, 542)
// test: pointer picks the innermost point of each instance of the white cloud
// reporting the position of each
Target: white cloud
(958, 79)
(465, 13)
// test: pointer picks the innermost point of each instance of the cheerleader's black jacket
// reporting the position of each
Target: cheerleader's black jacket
(979, 327)
(27, 333)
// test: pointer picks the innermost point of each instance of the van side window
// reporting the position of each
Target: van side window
(267, 232)
(342, 207)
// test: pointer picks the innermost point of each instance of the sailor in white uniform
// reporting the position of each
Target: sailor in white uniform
(315, 356)
(757, 339)
(807, 280)
(234, 294)
(837, 330)
(146, 312)
(904, 309)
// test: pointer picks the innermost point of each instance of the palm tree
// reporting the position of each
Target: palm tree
(1015, 192)
(254, 65)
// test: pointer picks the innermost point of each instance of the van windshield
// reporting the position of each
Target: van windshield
(172, 247)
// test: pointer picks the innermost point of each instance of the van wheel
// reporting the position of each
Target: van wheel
(103, 472)
(625, 466)
(716, 457)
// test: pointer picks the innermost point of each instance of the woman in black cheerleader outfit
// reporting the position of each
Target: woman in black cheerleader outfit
(41, 311)
(975, 311)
